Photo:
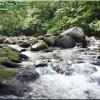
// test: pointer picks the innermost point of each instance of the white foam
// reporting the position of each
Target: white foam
(64, 87)
(16, 47)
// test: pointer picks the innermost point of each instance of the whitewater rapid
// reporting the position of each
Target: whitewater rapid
(78, 76)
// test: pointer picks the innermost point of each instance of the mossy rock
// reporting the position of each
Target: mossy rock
(9, 53)
(10, 64)
(9, 58)
(39, 46)
(43, 46)
(6, 73)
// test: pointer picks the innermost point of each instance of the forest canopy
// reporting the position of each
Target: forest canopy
(34, 18)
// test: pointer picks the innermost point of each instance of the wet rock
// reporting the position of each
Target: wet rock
(79, 44)
(50, 40)
(10, 64)
(12, 86)
(40, 37)
(39, 46)
(77, 34)
(88, 39)
(98, 57)
(22, 50)
(64, 42)
(23, 57)
(9, 54)
(96, 63)
(58, 70)
(28, 74)
(9, 41)
(48, 50)
(41, 64)
(2, 40)
(25, 44)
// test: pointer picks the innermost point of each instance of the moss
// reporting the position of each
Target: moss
(9, 53)
(6, 73)
(43, 46)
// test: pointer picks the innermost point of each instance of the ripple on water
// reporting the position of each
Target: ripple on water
(64, 87)
(83, 83)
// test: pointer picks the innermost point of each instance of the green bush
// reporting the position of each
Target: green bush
(95, 25)
(49, 17)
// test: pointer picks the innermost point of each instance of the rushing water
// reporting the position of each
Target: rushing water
(78, 76)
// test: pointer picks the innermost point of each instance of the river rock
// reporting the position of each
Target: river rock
(28, 74)
(40, 37)
(22, 50)
(18, 88)
(77, 34)
(9, 41)
(23, 57)
(2, 40)
(41, 64)
(39, 46)
(64, 41)
(50, 40)
(10, 64)
(50, 49)
(25, 44)
(98, 57)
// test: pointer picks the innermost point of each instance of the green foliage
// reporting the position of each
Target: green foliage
(95, 25)
(6, 73)
(48, 17)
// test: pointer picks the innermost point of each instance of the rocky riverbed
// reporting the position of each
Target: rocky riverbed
(66, 66)
(72, 73)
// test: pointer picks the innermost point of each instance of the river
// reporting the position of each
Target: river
(65, 73)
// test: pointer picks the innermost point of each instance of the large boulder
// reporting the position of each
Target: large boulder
(64, 42)
(77, 34)
(41, 45)
(50, 40)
